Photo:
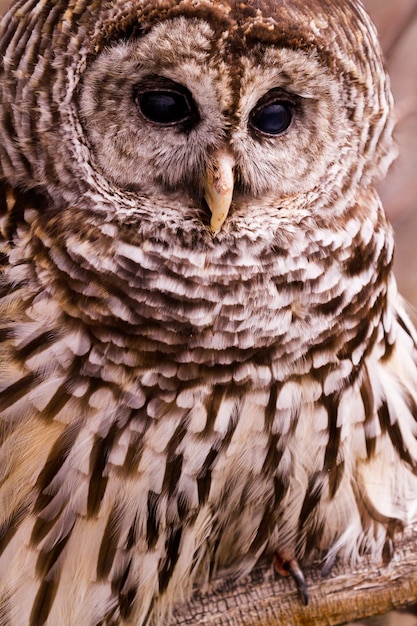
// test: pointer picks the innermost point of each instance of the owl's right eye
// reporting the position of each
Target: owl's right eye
(167, 106)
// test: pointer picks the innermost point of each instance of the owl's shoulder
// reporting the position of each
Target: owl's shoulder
(16, 207)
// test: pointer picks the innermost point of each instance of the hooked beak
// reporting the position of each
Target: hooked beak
(218, 187)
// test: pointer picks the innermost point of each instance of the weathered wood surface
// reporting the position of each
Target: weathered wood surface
(346, 594)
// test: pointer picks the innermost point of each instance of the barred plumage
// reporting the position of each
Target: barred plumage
(181, 396)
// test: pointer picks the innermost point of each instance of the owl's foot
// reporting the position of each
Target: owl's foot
(290, 567)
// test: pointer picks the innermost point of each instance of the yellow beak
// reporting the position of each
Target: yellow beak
(218, 187)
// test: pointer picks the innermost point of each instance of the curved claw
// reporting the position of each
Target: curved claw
(290, 567)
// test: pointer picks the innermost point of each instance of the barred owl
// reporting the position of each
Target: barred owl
(204, 359)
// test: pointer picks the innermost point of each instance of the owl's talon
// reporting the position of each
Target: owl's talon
(290, 567)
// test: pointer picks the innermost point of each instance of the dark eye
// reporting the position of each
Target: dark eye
(166, 107)
(272, 118)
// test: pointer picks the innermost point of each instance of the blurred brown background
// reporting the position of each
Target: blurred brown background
(396, 21)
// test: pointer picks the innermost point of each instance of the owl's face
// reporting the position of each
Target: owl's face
(217, 118)
(167, 111)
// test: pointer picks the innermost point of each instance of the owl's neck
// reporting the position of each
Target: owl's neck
(306, 303)
(295, 301)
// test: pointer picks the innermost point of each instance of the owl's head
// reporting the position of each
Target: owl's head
(207, 112)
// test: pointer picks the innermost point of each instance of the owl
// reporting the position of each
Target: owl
(204, 359)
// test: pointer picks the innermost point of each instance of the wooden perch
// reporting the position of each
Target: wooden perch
(265, 599)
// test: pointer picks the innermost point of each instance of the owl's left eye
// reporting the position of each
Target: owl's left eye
(272, 117)
(169, 105)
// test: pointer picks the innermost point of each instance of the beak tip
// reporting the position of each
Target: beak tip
(217, 222)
